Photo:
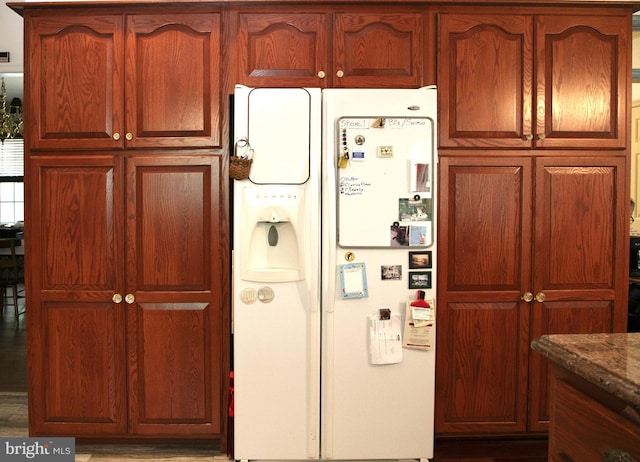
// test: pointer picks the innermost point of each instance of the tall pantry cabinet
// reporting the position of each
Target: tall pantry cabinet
(128, 288)
(534, 189)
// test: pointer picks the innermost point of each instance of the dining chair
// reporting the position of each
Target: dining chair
(9, 274)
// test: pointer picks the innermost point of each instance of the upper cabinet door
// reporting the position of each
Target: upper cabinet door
(499, 89)
(173, 81)
(282, 49)
(372, 49)
(582, 75)
(77, 100)
(378, 50)
(484, 78)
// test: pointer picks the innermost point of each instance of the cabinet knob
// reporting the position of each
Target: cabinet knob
(527, 297)
(117, 298)
(540, 297)
(542, 136)
(129, 298)
(340, 74)
(321, 74)
(528, 137)
(129, 136)
(116, 136)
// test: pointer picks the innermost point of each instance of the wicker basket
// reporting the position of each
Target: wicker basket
(239, 167)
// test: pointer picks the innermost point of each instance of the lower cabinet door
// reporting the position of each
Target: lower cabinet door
(175, 320)
(76, 354)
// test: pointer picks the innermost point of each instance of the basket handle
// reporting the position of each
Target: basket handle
(243, 143)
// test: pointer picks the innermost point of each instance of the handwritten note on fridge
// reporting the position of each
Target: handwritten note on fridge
(386, 162)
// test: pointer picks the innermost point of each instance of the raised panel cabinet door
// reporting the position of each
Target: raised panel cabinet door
(580, 277)
(282, 49)
(76, 93)
(176, 291)
(76, 342)
(381, 50)
(582, 76)
(483, 337)
(485, 80)
(173, 81)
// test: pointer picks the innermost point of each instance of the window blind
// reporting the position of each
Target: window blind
(12, 158)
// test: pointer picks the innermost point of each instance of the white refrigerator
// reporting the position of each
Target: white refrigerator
(334, 239)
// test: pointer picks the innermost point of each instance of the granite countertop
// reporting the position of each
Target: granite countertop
(610, 361)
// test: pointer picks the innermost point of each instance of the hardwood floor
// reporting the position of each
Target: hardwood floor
(13, 420)
(13, 355)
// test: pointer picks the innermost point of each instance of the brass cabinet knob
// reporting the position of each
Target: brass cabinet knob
(129, 136)
(340, 74)
(129, 298)
(540, 297)
(321, 74)
(527, 297)
(528, 136)
(117, 298)
(116, 136)
(542, 136)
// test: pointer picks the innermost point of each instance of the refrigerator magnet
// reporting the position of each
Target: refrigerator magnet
(353, 281)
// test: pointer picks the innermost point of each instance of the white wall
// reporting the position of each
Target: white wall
(635, 87)
(11, 40)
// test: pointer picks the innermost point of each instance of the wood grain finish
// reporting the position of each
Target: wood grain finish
(173, 269)
(481, 317)
(490, 98)
(376, 47)
(277, 49)
(378, 50)
(587, 422)
(76, 350)
(542, 225)
(581, 73)
(485, 75)
(173, 98)
(129, 92)
(75, 103)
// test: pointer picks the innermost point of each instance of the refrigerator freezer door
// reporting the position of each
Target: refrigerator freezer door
(277, 318)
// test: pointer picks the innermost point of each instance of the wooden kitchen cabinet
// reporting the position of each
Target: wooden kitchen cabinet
(517, 267)
(552, 80)
(76, 345)
(140, 312)
(175, 321)
(108, 81)
(376, 47)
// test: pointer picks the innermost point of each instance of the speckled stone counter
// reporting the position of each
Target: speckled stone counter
(610, 361)
(594, 396)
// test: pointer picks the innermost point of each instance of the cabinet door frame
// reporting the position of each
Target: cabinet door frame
(176, 283)
(555, 34)
(262, 30)
(58, 103)
(154, 116)
(75, 262)
(464, 358)
(461, 87)
(403, 32)
(575, 302)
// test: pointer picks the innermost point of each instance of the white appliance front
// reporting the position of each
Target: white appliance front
(276, 347)
(376, 411)
(305, 387)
